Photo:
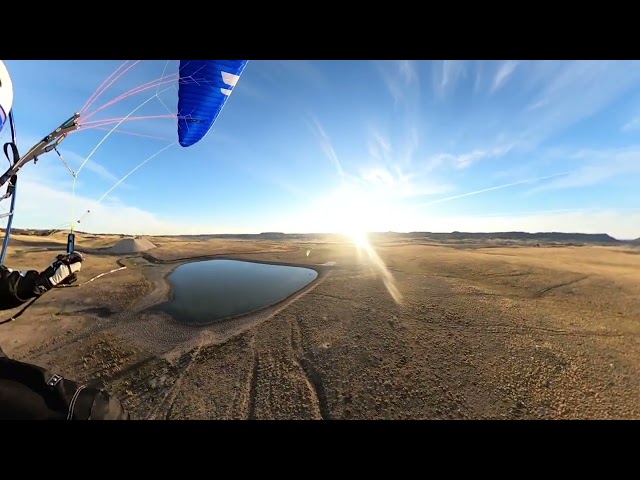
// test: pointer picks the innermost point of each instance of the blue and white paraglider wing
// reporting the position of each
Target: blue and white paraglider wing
(204, 88)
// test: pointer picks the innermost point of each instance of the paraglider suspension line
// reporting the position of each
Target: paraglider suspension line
(65, 163)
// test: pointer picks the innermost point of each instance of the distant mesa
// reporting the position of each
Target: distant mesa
(273, 235)
(561, 237)
(132, 245)
(140, 243)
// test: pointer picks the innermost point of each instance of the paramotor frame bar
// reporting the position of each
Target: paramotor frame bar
(45, 145)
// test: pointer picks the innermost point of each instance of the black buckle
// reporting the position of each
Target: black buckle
(53, 381)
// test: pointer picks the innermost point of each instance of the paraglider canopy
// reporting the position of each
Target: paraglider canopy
(6, 94)
(205, 86)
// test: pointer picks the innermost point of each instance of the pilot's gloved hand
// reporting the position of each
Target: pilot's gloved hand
(63, 271)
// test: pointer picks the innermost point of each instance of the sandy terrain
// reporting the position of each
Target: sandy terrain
(498, 333)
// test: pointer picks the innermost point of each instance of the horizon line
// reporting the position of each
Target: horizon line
(56, 230)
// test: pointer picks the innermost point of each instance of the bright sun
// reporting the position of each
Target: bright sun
(351, 212)
(359, 237)
(355, 211)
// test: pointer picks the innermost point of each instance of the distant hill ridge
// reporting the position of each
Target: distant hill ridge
(559, 237)
(595, 238)
(549, 236)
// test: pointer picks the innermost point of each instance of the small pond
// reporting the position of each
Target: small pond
(203, 292)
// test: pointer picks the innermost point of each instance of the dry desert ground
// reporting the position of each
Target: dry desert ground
(478, 333)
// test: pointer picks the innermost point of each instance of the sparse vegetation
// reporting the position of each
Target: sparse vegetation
(483, 331)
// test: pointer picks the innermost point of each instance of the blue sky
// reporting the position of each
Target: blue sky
(313, 146)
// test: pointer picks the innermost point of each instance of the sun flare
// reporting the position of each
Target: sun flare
(359, 238)
(353, 214)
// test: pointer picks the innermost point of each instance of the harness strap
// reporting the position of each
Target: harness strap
(12, 318)
(12, 182)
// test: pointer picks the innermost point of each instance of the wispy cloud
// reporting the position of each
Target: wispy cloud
(632, 125)
(382, 150)
(503, 74)
(422, 147)
(326, 145)
(393, 182)
(551, 97)
(408, 71)
(467, 159)
(451, 72)
(490, 189)
(393, 169)
(596, 167)
(380, 176)
(479, 76)
(379, 146)
(47, 207)
(50, 180)
(537, 104)
(398, 75)
(388, 173)
(75, 160)
(568, 92)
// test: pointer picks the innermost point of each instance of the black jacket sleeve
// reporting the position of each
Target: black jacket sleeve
(16, 287)
(31, 392)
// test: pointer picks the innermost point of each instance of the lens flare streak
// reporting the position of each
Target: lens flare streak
(363, 246)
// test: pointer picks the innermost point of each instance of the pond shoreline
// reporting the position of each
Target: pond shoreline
(163, 286)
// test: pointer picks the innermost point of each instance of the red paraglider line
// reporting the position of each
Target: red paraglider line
(134, 91)
(86, 104)
(111, 83)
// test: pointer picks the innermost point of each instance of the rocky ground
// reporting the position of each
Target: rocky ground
(500, 333)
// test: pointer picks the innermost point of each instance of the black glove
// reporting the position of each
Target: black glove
(63, 271)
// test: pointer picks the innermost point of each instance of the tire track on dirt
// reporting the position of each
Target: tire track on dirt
(239, 408)
(310, 374)
(170, 398)
(253, 385)
(507, 274)
(109, 379)
(564, 284)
